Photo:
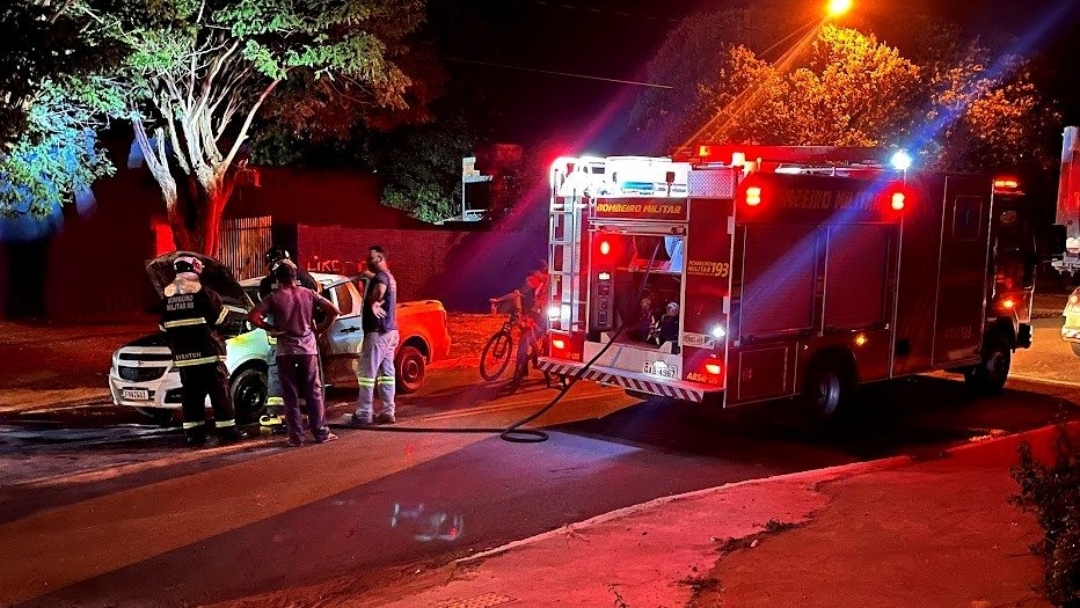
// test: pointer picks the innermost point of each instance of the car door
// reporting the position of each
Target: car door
(341, 345)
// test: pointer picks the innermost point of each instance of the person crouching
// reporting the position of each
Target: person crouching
(292, 308)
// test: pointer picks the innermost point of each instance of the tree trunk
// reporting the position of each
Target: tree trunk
(207, 203)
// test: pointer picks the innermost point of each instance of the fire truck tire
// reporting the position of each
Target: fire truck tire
(1075, 348)
(830, 385)
(989, 376)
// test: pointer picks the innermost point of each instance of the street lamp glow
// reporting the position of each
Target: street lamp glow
(901, 161)
(838, 7)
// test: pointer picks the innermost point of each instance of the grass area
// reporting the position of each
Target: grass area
(469, 332)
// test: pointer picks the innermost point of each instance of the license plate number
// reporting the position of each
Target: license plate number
(136, 394)
(670, 372)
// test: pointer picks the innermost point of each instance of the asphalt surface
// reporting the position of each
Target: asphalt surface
(606, 451)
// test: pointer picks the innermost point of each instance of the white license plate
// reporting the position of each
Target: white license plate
(135, 394)
(670, 372)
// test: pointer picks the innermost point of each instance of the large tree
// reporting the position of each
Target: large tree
(958, 102)
(53, 97)
(196, 83)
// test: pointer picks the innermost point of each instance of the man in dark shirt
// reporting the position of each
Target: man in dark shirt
(293, 309)
(190, 312)
(380, 343)
(274, 400)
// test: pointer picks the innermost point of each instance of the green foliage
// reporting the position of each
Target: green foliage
(1052, 494)
(976, 111)
(202, 71)
(56, 157)
(53, 95)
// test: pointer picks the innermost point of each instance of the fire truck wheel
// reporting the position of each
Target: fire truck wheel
(989, 376)
(1075, 348)
(830, 386)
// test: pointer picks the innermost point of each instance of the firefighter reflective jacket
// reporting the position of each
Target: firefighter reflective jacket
(190, 315)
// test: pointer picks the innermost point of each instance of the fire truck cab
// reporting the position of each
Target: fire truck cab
(804, 272)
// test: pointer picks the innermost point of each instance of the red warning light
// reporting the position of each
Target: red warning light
(605, 247)
(1006, 183)
(713, 368)
(753, 196)
(897, 201)
(558, 344)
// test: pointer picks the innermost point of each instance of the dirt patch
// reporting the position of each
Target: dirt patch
(469, 332)
(707, 590)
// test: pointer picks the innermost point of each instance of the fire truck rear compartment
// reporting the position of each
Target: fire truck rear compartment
(648, 299)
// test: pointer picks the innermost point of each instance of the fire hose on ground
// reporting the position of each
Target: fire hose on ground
(514, 433)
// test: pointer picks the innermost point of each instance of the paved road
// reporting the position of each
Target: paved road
(225, 526)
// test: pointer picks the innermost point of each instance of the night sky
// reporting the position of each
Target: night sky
(616, 38)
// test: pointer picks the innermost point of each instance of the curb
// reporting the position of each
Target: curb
(843, 471)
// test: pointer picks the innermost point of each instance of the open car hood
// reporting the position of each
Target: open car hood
(215, 275)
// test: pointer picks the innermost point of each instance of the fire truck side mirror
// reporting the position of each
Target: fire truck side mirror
(669, 177)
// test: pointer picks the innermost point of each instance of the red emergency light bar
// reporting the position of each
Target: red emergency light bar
(1006, 185)
(780, 154)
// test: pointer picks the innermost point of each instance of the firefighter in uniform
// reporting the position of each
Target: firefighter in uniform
(190, 313)
(275, 402)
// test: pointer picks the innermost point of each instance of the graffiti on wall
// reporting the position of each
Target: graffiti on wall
(348, 268)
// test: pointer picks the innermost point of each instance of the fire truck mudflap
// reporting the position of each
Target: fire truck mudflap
(716, 280)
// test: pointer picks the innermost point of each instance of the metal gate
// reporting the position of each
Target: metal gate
(242, 245)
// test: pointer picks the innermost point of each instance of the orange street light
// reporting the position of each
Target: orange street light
(838, 7)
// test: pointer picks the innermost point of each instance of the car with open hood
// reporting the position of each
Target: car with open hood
(143, 375)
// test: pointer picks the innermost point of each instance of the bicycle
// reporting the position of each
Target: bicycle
(499, 350)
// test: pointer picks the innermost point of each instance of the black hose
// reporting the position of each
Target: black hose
(514, 433)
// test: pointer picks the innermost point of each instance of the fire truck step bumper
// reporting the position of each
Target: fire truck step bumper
(642, 383)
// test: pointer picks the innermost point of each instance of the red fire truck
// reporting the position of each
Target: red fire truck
(804, 272)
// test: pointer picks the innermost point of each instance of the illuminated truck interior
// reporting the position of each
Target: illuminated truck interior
(626, 265)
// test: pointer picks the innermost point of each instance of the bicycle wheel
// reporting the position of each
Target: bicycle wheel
(496, 355)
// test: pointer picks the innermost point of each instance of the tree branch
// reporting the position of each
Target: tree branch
(242, 135)
(173, 136)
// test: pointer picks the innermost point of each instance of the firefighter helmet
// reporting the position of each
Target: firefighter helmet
(188, 263)
(274, 255)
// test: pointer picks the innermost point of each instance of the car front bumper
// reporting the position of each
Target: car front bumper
(162, 393)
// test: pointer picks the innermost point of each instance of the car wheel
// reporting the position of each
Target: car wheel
(249, 390)
(411, 369)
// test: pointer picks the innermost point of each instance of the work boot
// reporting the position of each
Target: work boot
(385, 418)
(359, 422)
(195, 438)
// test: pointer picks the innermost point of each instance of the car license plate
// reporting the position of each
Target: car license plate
(670, 372)
(135, 394)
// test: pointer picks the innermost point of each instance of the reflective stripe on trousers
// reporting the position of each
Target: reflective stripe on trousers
(376, 371)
